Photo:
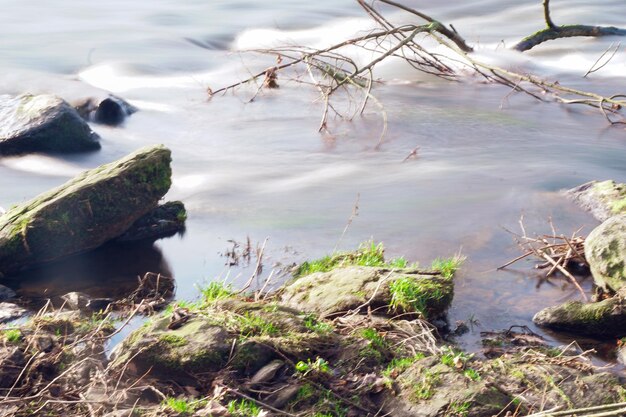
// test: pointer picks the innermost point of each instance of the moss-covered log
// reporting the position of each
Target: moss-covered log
(82, 214)
(566, 31)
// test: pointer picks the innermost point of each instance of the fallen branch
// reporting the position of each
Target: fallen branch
(553, 31)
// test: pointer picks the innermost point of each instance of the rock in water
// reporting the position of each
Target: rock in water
(603, 199)
(605, 250)
(110, 111)
(82, 214)
(606, 318)
(42, 123)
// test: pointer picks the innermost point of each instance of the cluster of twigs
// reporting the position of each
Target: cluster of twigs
(555, 252)
(331, 70)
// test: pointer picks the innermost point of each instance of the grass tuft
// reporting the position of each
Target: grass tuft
(368, 254)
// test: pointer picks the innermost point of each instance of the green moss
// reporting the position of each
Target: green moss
(173, 340)
(12, 335)
(424, 388)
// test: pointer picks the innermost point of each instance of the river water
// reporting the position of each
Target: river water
(261, 170)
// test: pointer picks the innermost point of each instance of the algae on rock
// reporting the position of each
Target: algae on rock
(82, 214)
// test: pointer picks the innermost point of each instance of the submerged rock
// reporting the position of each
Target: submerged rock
(82, 214)
(606, 318)
(344, 289)
(42, 123)
(603, 199)
(605, 251)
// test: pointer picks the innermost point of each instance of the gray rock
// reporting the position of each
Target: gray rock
(84, 302)
(605, 251)
(166, 220)
(197, 346)
(10, 311)
(6, 293)
(344, 289)
(111, 110)
(82, 214)
(42, 123)
(603, 199)
(267, 373)
(606, 318)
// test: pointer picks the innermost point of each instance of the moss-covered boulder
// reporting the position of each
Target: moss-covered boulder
(603, 199)
(605, 318)
(520, 383)
(82, 214)
(605, 250)
(42, 123)
(345, 289)
(198, 346)
(430, 388)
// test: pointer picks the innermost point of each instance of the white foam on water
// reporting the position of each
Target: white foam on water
(42, 165)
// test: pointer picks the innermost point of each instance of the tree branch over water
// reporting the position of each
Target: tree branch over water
(553, 32)
(335, 74)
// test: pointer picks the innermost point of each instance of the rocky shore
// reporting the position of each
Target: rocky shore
(367, 348)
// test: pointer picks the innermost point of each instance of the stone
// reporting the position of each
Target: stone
(42, 123)
(164, 221)
(603, 199)
(110, 111)
(197, 346)
(606, 318)
(605, 251)
(344, 289)
(266, 374)
(86, 212)
(6, 293)
(83, 302)
(10, 311)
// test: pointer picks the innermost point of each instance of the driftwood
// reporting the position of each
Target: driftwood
(334, 73)
(553, 31)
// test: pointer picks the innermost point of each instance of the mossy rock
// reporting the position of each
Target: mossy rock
(605, 318)
(605, 251)
(265, 329)
(82, 214)
(198, 346)
(164, 221)
(42, 123)
(344, 289)
(603, 199)
(521, 382)
(429, 389)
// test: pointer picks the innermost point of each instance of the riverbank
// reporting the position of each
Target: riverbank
(386, 350)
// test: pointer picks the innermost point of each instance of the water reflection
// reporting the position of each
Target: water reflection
(109, 272)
